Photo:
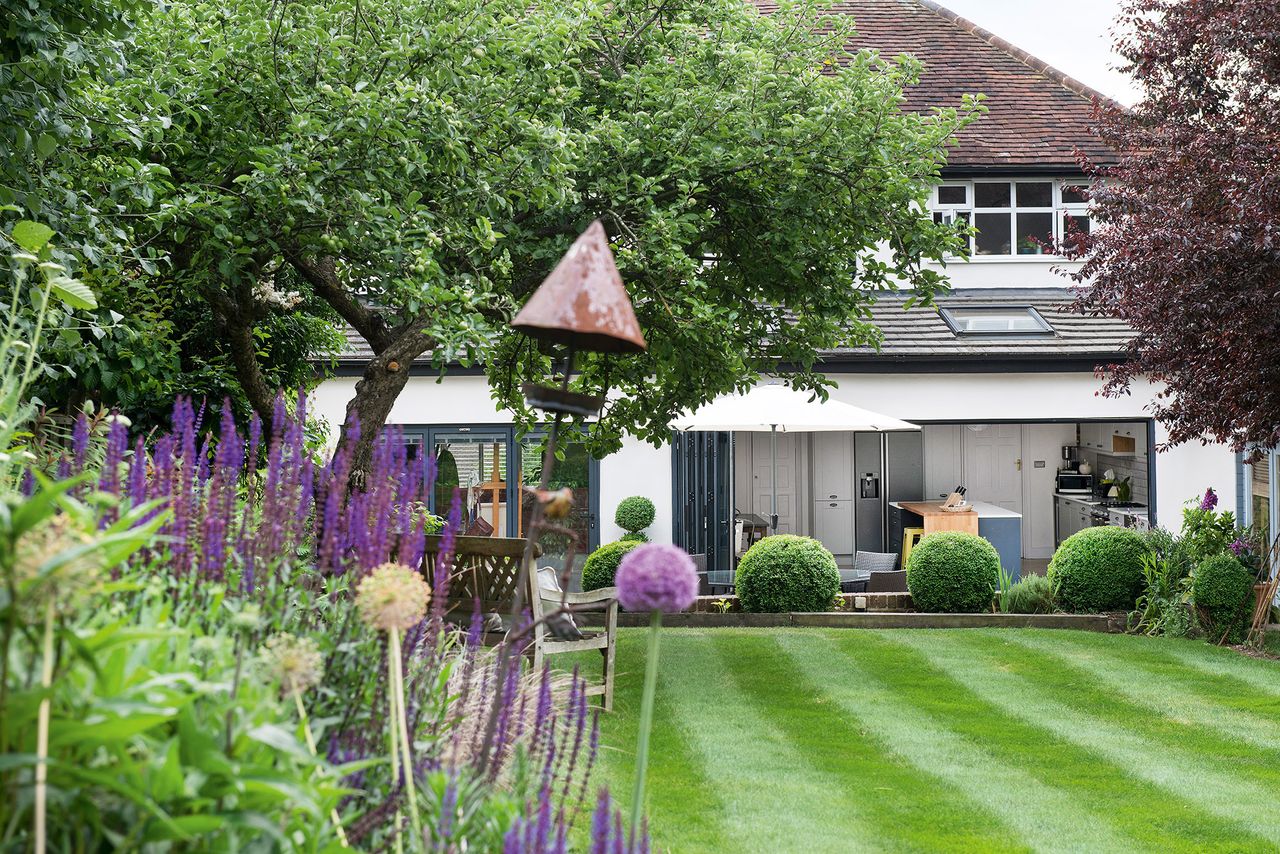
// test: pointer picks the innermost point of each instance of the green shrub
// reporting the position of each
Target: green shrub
(1099, 569)
(634, 514)
(1031, 594)
(634, 537)
(602, 564)
(787, 573)
(952, 571)
(1222, 590)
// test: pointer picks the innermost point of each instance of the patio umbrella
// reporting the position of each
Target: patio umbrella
(775, 408)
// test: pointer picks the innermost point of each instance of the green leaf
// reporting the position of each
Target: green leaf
(73, 292)
(46, 144)
(31, 236)
(115, 729)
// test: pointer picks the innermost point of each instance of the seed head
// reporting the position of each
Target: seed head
(393, 596)
(294, 662)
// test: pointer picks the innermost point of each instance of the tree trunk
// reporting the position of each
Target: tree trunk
(376, 392)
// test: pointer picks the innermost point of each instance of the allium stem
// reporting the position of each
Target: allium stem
(402, 725)
(646, 722)
(393, 723)
(42, 731)
(311, 745)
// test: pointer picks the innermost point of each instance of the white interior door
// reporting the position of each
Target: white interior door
(993, 463)
(788, 479)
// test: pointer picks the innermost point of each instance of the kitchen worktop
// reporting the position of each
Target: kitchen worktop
(980, 509)
(1087, 500)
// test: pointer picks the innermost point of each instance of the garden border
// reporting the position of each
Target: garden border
(1109, 623)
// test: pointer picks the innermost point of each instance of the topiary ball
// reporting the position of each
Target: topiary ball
(635, 513)
(952, 571)
(1222, 590)
(1099, 569)
(787, 573)
(602, 564)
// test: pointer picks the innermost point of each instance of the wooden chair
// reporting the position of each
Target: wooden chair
(486, 570)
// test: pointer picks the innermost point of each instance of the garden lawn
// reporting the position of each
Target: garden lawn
(981, 740)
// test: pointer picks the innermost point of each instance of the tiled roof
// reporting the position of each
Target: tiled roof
(1037, 115)
(921, 334)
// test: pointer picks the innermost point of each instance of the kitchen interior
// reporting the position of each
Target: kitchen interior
(1048, 480)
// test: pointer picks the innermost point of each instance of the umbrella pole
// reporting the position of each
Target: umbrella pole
(773, 460)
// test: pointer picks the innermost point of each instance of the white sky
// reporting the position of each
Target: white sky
(1073, 37)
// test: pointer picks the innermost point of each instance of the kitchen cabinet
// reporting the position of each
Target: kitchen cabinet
(1072, 517)
(1128, 440)
(833, 525)
(1092, 437)
(943, 458)
(833, 466)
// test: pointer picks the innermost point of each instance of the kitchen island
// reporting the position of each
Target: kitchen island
(998, 525)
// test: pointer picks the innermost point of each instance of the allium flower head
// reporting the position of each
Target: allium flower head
(657, 577)
(294, 662)
(392, 596)
(67, 584)
(1210, 499)
(248, 619)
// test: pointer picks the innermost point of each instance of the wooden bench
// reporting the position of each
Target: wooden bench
(484, 576)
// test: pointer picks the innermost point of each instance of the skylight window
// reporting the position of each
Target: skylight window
(992, 320)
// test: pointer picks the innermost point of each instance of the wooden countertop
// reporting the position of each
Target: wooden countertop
(930, 508)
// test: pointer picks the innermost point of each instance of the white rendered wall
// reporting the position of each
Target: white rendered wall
(636, 469)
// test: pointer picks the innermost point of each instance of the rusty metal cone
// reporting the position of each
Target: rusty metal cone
(583, 303)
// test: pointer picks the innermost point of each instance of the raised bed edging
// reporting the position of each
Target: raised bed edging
(1113, 623)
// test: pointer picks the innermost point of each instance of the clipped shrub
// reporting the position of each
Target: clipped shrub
(1099, 569)
(787, 573)
(602, 564)
(1222, 590)
(952, 571)
(634, 537)
(634, 514)
(1031, 594)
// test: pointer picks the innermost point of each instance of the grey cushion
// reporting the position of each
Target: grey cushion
(560, 625)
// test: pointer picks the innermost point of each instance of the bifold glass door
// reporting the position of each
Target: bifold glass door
(572, 471)
(488, 468)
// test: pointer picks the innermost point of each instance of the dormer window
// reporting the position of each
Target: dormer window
(1021, 321)
(1013, 217)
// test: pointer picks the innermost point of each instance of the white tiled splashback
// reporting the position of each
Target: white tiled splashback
(1134, 469)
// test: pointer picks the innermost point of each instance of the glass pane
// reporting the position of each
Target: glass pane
(476, 464)
(1260, 492)
(1075, 224)
(991, 195)
(953, 195)
(994, 320)
(1073, 194)
(1035, 233)
(993, 234)
(1038, 194)
(573, 472)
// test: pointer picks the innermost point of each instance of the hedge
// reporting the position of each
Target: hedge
(1099, 569)
(953, 571)
(787, 573)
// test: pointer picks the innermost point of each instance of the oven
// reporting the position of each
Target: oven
(1074, 483)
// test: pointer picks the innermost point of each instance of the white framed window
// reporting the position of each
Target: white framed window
(1019, 320)
(1013, 217)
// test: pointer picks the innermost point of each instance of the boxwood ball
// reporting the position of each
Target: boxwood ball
(787, 573)
(1099, 569)
(952, 572)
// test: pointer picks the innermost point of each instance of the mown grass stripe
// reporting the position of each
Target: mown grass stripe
(910, 809)
(1023, 691)
(1045, 817)
(1153, 819)
(1074, 686)
(1170, 691)
(678, 776)
(1230, 670)
(770, 797)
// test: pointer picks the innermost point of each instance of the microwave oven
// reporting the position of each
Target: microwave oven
(1075, 483)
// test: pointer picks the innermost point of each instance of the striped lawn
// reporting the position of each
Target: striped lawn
(961, 740)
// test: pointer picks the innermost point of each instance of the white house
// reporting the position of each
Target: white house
(1002, 379)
